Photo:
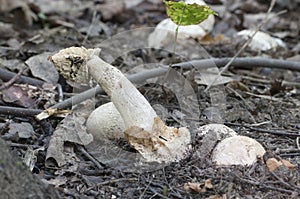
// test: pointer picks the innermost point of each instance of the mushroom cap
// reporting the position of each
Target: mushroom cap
(220, 129)
(237, 150)
(105, 122)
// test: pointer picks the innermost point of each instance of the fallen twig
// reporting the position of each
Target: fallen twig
(116, 180)
(156, 193)
(89, 156)
(112, 181)
(279, 189)
(24, 146)
(284, 83)
(281, 181)
(12, 80)
(241, 62)
(289, 154)
(264, 186)
(274, 132)
(16, 111)
(247, 62)
(198, 64)
(6, 75)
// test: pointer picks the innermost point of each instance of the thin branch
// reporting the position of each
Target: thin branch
(156, 193)
(289, 154)
(6, 75)
(264, 186)
(24, 146)
(282, 182)
(279, 189)
(274, 132)
(116, 180)
(143, 193)
(16, 111)
(242, 62)
(89, 156)
(199, 64)
(12, 80)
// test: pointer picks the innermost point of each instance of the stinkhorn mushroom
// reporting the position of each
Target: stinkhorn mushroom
(144, 130)
(226, 147)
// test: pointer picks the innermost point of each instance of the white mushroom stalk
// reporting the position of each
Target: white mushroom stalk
(131, 104)
(144, 130)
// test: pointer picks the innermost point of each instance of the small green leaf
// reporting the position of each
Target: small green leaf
(187, 14)
(42, 16)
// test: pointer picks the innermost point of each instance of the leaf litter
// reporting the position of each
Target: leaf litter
(80, 178)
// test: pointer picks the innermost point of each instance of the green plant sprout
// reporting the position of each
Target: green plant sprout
(184, 14)
(187, 14)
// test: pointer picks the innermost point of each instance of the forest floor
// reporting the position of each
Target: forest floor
(259, 102)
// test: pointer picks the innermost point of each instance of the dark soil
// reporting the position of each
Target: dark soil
(263, 103)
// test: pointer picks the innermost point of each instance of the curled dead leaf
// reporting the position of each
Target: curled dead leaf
(191, 186)
(207, 184)
(273, 164)
(287, 164)
(71, 130)
(198, 187)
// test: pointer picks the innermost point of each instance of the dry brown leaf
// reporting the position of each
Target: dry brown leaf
(211, 76)
(8, 5)
(191, 186)
(207, 39)
(208, 184)
(42, 68)
(287, 164)
(237, 85)
(25, 95)
(198, 187)
(18, 95)
(30, 157)
(70, 130)
(273, 164)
